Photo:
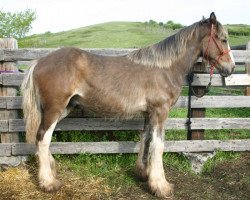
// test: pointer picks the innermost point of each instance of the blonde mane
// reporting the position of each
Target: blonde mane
(164, 53)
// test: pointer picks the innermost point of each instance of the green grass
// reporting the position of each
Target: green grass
(105, 166)
(113, 35)
(239, 34)
(117, 168)
(218, 158)
(106, 35)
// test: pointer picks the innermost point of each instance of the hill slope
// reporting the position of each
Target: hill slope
(110, 35)
(106, 35)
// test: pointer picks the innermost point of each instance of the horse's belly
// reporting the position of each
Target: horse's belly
(113, 105)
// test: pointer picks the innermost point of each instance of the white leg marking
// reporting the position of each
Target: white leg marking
(155, 158)
(46, 175)
(157, 181)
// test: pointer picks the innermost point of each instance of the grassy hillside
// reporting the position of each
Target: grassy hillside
(115, 35)
(106, 35)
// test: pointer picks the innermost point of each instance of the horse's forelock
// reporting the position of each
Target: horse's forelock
(221, 31)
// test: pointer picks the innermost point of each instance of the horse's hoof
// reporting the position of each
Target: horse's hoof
(141, 173)
(162, 189)
(52, 186)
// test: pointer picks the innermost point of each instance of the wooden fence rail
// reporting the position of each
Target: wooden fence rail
(12, 55)
(97, 124)
(12, 125)
(10, 103)
(10, 79)
(126, 147)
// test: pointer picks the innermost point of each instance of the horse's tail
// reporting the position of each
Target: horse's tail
(31, 105)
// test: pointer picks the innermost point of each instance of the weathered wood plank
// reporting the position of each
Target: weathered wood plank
(5, 114)
(133, 147)
(247, 70)
(238, 79)
(207, 145)
(215, 102)
(220, 123)
(85, 124)
(3, 102)
(4, 126)
(5, 149)
(32, 54)
(199, 80)
(233, 80)
(12, 79)
(242, 56)
(137, 124)
(14, 102)
(204, 102)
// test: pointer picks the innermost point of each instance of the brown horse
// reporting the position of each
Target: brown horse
(147, 81)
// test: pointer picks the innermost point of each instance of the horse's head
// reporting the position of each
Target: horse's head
(215, 47)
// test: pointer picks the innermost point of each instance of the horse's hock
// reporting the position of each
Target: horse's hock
(12, 151)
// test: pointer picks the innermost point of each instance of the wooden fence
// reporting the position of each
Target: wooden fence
(11, 125)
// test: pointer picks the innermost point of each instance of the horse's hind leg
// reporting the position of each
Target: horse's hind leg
(47, 171)
(51, 158)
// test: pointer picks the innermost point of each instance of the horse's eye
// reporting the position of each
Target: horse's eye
(224, 41)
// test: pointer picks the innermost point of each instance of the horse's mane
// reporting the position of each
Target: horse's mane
(164, 53)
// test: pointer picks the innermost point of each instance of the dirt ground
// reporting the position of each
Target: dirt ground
(228, 180)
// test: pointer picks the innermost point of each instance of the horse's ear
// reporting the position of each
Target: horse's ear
(212, 18)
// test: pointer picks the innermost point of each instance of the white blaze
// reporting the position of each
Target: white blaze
(231, 55)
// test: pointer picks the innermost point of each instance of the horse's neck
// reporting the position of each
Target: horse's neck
(190, 57)
(182, 66)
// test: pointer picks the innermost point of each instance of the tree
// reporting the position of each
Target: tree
(171, 25)
(161, 24)
(176, 26)
(16, 24)
(152, 22)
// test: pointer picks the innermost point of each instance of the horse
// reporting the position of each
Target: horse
(146, 81)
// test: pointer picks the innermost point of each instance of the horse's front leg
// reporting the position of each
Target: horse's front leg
(156, 176)
(142, 160)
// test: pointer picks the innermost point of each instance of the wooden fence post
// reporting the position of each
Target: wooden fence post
(198, 112)
(5, 114)
(247, 89)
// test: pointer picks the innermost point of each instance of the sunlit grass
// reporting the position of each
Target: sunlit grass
(110, 35)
